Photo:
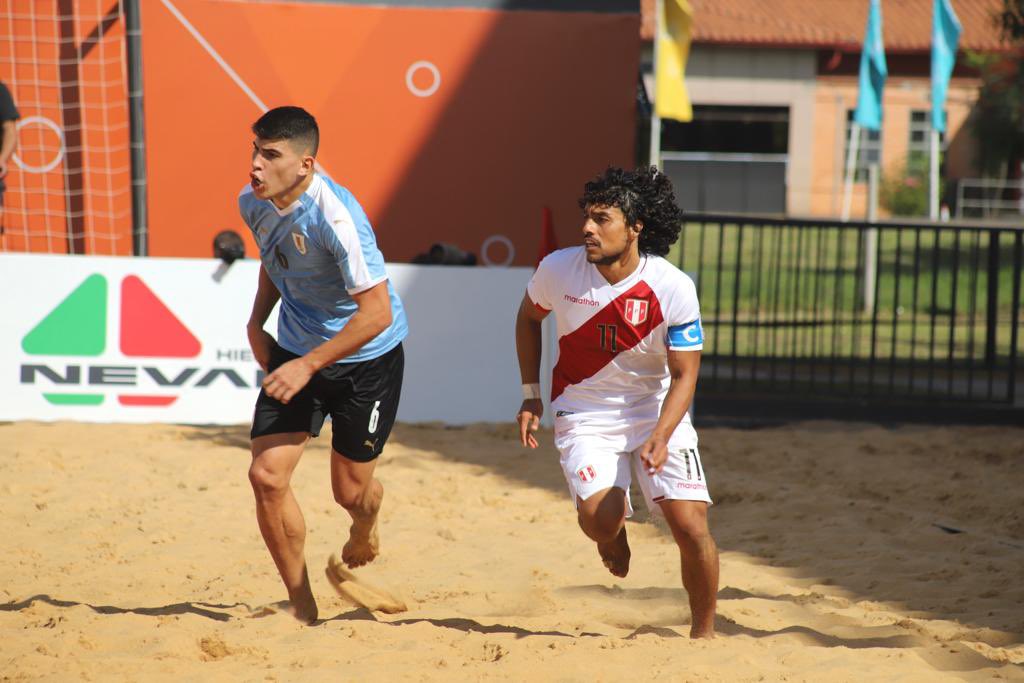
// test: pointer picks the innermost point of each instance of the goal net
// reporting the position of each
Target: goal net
(69, 183)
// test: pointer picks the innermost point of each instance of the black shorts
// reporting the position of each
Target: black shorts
(361, 398)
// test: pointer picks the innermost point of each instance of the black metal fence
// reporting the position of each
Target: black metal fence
(820, 310)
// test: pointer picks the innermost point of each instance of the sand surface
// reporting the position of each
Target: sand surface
(132, 553)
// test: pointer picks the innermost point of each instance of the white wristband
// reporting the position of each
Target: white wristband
(531, 391)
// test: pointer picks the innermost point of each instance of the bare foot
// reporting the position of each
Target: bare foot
(359, 592)
(306, 614)
(363, 546)
(615, 555)
(706, 633)
(303, 608)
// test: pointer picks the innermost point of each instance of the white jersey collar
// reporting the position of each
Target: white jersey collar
(298, 202)
(629, 280)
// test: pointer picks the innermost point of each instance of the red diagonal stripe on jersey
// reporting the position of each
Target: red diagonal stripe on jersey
(580, 354)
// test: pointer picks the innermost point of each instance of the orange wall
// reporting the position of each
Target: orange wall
(530, 106)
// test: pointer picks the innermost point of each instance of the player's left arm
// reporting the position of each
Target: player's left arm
(683, 368)
(372, 317)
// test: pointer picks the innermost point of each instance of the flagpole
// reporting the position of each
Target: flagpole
(871, 242)
(946, 29)
(654, 154)
(851, 164)
(933, 175)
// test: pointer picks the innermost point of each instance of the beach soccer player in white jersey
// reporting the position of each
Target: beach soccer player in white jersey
(629, 341)
(338, 350)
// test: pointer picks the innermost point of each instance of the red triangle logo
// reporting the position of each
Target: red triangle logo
(148, 328)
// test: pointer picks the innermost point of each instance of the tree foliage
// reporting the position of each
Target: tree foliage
(1011, 20)
(999, 116)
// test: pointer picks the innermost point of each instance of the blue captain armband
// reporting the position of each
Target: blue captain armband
(685, 337)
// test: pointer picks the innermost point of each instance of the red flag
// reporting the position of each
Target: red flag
(548, 243)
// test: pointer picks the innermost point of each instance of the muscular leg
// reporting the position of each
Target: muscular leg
(274, 458)
(356, 490)
(688, 520)
(602, 517)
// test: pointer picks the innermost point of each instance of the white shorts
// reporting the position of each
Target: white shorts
(598, 447)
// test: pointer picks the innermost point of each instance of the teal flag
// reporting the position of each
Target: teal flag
(945, 36)
(872, 72)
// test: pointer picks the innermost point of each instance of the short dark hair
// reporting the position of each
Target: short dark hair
(645, 196)
(294, 124)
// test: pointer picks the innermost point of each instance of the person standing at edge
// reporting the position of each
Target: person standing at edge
(8, 140)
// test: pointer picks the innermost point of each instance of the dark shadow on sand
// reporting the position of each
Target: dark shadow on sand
(202, 609)
(232, 436)
(726, 626)
(457, 623)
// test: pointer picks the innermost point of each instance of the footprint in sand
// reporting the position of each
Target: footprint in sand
(359, 592)
(269, 610)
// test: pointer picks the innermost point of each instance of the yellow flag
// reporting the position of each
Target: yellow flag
(671, 100)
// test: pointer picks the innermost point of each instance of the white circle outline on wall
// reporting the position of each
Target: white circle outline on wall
(434, 71)
(503, 240)
(46, 123)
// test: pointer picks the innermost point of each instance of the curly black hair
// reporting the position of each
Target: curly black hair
(645, 196)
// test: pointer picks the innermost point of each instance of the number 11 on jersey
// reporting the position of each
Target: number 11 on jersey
(608, 337)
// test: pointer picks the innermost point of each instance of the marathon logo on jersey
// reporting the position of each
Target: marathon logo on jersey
(636, 311)
(582, 301)
(586, 474)
(686, 336)
(300, 242)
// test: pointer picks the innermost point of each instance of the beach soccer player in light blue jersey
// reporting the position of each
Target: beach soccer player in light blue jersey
(338, 350)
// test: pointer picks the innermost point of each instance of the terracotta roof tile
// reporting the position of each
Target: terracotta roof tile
(831, 23)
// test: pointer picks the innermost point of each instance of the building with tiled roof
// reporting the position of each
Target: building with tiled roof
(830, 23)
(774, 83)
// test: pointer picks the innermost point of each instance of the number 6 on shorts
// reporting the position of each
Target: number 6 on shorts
(374, 417)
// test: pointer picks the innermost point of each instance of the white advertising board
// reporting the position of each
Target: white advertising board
(163, 340)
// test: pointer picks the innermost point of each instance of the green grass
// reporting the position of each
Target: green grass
(932, 291)
(903, 338)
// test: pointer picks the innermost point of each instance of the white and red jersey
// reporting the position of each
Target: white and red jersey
(613, 340)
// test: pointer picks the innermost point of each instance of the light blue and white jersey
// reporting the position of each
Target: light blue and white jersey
(319, 252)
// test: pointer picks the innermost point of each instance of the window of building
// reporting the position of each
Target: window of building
(729, 129)
(918, 147)
(869, 149)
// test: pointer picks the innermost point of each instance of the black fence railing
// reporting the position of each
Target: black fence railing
(918, 312)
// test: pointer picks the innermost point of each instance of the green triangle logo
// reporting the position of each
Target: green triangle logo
(77, 326)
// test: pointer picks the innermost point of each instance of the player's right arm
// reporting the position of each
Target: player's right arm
(260, 340)
(10, 144)
(528, 348)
